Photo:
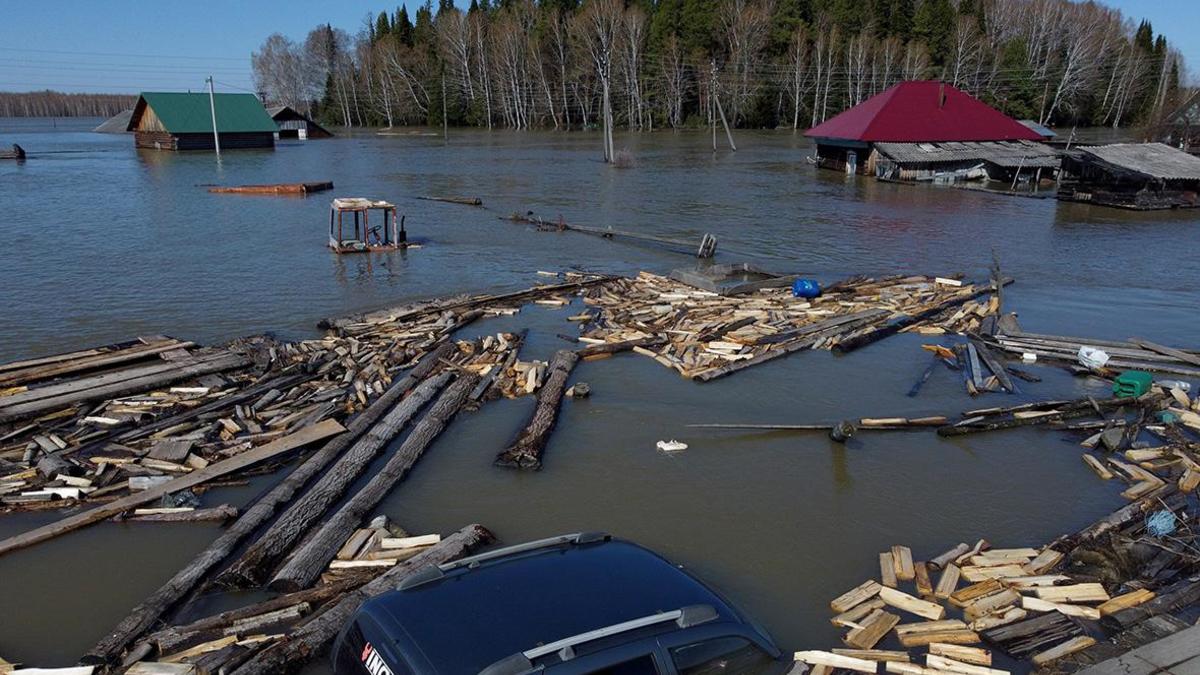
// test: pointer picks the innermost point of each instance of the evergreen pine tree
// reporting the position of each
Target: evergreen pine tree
(382, 26)
(933, 24)
(474, 7)
(900, 19)
(402, 28)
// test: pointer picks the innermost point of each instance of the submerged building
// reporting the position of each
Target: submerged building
(184, 121)
(294, 124)
(928, 130)
(1140, 176)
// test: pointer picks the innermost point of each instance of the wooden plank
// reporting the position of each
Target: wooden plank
(1067, 648)
(947, 583)
(1044, 562)
(1167, 351)
(855, 596)
(991, 603)
(1131, 599)
(903, 563)
(976, 574)
(103, 360)
(819, 658)
(958, 637)
(887, 569)
(873, 654)
(851, 618)
(872, 630)
(1003, 618)
(1090, 592)
(923, 583)
(410, 542)
(975, 655)
(1039, 605)
(951, 666)
(930, 626)
(248, 458)
(904, 601)
(903, 668)
(1101, 470)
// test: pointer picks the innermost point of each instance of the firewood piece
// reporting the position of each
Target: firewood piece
(924, 585)
(819, 658)
(1079, 611)
(903, 562)
(1090, 592)
(1130, 599)
(887, 569)
(948, 582)
(872, 629)
(951, 666)
(974, 655)
(949, 557)
(1065, 649)
(873, 654)
(851, 618)
(859, 594)
(904, 601)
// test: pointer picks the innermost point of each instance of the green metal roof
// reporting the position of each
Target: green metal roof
(189, 113)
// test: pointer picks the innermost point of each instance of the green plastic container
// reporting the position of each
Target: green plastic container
(1132, 383)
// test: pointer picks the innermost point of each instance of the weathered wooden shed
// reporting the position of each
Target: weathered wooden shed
(184, 121)
(294, 124)
(1141, 176)
(915, 118)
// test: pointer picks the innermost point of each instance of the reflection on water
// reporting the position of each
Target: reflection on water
(103, 243)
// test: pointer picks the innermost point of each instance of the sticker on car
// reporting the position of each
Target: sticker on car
(373, 662)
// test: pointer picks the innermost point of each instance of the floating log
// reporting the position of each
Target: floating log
(309, 559)
(17, 153)
(311, 639)
(526, 450)
(274, 189)
(1067, 410)
(11, 377)
(251, 568)
(253, 456)
(706, 249)
(465, 201)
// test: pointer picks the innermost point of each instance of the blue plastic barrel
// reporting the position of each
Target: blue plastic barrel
(805, 288)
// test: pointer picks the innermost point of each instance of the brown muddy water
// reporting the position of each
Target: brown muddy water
(102, 242)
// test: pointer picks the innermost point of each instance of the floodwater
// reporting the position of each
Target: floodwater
(103, 243)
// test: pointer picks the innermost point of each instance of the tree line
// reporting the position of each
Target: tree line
(761, 63)
(57, 104)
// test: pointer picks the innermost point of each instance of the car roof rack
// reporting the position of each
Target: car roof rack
(433, 572)
(522, 662)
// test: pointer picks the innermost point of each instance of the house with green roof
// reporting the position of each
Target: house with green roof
(184, 121)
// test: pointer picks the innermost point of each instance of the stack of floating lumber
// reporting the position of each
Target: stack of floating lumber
(1135, 353)
(708, 335)
(165, 422)
(1044, 604)
(380, 545)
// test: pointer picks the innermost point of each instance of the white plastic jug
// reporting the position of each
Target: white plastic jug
(1092, 357)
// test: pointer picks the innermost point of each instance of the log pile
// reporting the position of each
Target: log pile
(707, 335)
(1055, 605)
(1136, 353)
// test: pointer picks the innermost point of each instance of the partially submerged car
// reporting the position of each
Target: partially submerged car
(574, 604)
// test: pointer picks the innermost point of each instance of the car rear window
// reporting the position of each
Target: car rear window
(721, 655)
(643, 665)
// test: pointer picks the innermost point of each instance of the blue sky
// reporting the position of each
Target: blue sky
(126, 46)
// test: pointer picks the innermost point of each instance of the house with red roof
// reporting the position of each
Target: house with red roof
(928, 130)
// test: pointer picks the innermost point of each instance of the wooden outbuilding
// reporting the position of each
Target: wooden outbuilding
(294, 124)
(931, 131)
(184, 121)
(1139, 176)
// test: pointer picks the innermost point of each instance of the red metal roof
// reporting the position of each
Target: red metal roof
(916, 112)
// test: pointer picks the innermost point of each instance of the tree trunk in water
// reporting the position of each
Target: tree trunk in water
(251, 568)
(307, 562)
(526, 452)
(314, 637)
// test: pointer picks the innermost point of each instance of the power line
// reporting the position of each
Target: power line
(139, 56)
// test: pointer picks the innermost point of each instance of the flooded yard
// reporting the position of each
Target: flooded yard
(105, 243)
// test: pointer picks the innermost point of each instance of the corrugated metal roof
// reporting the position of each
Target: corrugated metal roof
(1008, 154)
(923, 112)
(1151, 159)
(182, 113)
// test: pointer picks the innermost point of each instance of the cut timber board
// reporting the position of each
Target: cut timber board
(904, 601)
(248, 458)
(819, 658)
(855, 596)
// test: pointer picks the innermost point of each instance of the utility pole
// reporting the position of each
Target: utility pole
(445, 123)
(212, 107)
